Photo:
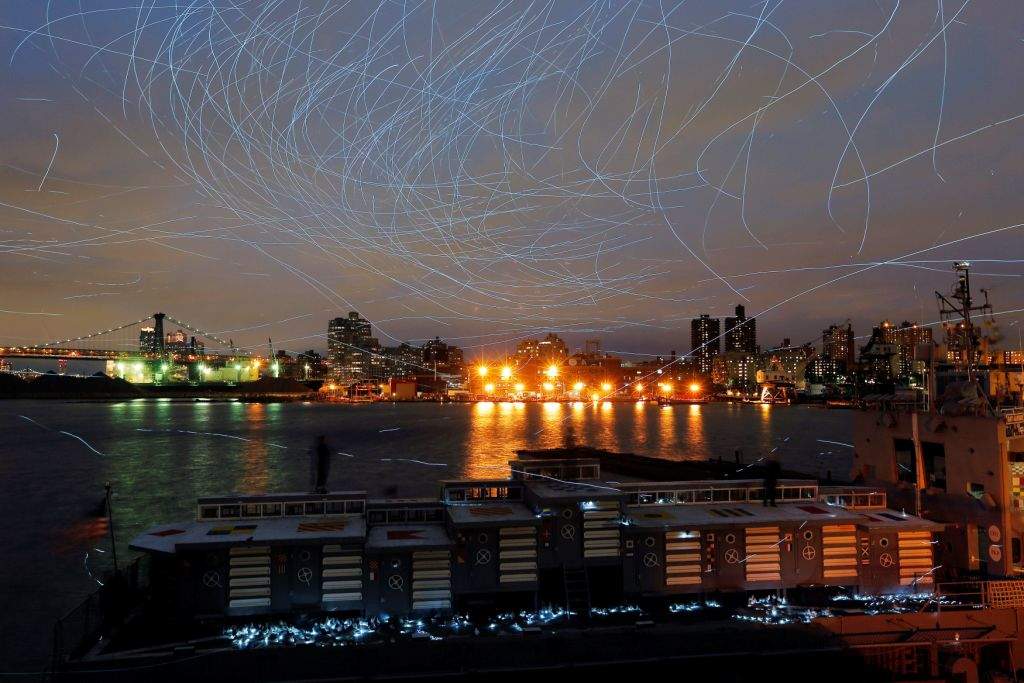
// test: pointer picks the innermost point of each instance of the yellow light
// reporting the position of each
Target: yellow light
(552, 371)
(595, 398)
(694, 388)
(482, 371)
(519, 388)
(548, 386)
(639, 387)
(606, 387)
(489, 388)
(578, 386)
(506, 372)
(666, 387)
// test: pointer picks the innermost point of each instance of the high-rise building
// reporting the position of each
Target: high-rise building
(740, 332)
(704, 341)
(441, 357)
(350, 347)
(148, 340)
(550, 349)
(837, 344)
(907, 337)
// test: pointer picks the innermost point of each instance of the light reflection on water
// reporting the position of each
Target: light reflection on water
(51, 482)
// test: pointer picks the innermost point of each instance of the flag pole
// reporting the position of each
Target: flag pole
(110, 525)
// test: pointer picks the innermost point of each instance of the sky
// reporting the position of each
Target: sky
(488, 172)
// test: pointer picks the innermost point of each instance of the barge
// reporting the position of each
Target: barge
(551, 528)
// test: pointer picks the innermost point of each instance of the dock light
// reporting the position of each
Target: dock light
(238, 366)
(519, 388)
(595, 398)
(506, 372)
(482, 371)
(578, 386)
(639, 386)
(137, 367)
(694, 388)
(548, 386)
(488, 388)
(606, 387)
(552, 371)
(666, 387)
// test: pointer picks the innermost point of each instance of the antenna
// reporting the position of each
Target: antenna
(955, 312)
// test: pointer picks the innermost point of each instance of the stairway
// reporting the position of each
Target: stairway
(577, 591)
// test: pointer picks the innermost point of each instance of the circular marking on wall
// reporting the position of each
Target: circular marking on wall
(808, 535)
(884, 542)
(995, 534)
(568, 532)
(305, 556)
(650, 560)
(649, 541)
(305, 575)
(396, 582)
(482, 538)
(732, 556)
(730, 538)
(567, 513)
(395, 564)
(995, 553)
(483, 556)
(211, 579)
(885, 559)
(808, 553)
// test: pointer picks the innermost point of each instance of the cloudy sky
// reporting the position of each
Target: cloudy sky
(491, 171)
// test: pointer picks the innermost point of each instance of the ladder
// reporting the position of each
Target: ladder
(577, 591)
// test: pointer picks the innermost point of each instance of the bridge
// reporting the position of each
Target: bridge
(147, 350)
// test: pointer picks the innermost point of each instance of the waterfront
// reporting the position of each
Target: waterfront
(160, 455)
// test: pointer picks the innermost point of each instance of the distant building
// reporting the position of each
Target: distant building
(736, 370)
(148, 340)
(740, 332)
(181, 344)
(704, 341)
(907, 337)
(879, 359)
(350, 347)
(837, 344)
(442, 358)
(311, 365)
(550, 349)
(402, 360)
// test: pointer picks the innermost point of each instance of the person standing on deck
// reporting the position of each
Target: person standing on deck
(771, 480)
(323, 464)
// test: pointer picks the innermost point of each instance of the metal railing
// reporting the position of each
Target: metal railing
(81, 627)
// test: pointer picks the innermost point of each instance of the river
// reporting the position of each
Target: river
(159, 456)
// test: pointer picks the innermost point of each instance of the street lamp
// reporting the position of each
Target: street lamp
(506, 372)
(552, 371)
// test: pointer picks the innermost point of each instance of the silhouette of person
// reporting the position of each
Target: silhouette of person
(323, 464)
(771, 481)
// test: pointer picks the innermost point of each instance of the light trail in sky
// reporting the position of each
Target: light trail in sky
(494, 171)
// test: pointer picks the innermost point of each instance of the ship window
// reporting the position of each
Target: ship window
(377, 517)
(720, 495)
(416, 516)
(354, 507)
(702, 496)
(435, 515)
(314, 508)
(646, 498)
(634, 498)
(588, 472)
(229, 511)
(252, 509)
(905, 470)
(1015, 550)
(271, 509)
(934, 456)
(208, 512)
(685, 496)
(396, 516)
(335, 507)
(456, 494)
(293, 508)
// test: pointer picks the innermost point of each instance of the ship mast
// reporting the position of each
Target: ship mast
(955, 312)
